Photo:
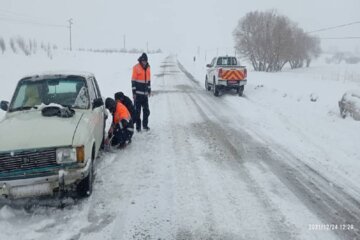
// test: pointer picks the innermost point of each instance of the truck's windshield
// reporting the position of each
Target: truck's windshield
(70, 91)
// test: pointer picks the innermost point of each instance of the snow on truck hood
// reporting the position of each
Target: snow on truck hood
(29, 130)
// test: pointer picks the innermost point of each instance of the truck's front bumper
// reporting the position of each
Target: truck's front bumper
(40, 186)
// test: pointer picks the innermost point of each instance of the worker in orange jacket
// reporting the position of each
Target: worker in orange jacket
(121, 129)
(141, 88)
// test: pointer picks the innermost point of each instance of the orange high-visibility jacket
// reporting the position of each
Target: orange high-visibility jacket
(121, 113)
(140, 80)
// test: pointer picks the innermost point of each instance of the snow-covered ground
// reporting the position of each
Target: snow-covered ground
(270, 165)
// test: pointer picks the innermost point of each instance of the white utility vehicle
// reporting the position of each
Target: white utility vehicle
(51, 135)
(225, 73)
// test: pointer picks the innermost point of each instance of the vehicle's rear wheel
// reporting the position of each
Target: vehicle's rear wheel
(85, 187)
(215, 89)
(207, 86)
(240, 90)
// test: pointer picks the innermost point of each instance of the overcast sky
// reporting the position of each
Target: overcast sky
(168, 24)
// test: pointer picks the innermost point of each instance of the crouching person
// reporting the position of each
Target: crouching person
(121, 129)
(120, 96)
(126, 101)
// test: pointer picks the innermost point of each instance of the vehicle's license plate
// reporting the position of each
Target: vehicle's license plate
(233, 82)
(31, 190)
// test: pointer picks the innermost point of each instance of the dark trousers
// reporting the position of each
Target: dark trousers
(141, 101)
(123, 132)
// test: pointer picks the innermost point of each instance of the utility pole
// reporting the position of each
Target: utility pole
(70, 23)
(124, 41)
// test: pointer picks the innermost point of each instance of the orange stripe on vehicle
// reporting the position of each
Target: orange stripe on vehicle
(227, 75)
(232, 75)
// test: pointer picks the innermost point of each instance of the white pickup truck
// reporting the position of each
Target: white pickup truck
(225, 73)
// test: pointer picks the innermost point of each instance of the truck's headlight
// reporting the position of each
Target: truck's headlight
(65, 155)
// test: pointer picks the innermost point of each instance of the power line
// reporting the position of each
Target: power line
(340, 38)
(339, 26)
(19, 21)
(14, 14)
(22, 17)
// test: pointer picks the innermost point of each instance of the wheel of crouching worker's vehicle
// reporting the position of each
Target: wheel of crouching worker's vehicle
(102, 146)
(85, 187)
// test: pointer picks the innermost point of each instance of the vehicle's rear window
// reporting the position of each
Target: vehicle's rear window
(226, 61)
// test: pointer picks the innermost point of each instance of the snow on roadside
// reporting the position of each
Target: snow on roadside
(298, 109)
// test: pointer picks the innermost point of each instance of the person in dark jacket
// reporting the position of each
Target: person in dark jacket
(120, 128)
(120, 96)
(141, 88)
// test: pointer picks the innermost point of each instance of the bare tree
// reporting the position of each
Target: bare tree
(313, 48)
(48, 51)
(23, 46)
(298, 52)
(2, 45)
(270, 40)
(12, 45)
(35, 46)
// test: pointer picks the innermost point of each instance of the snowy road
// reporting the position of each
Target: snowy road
(196, 175)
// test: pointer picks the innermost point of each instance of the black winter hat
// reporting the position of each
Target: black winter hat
(143, 57)
(119, 95)
(110, 104)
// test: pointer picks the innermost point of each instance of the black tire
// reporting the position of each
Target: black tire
(207, 86)
(102, 146)
(240, 90)
(215, 89)
(85, 187)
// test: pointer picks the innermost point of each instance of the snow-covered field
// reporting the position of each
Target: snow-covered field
(270, 165)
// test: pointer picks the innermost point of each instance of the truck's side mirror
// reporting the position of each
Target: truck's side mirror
(4, 105)
(208, 65)
(98, 103)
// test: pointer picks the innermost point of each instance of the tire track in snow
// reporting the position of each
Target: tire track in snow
(276, 219)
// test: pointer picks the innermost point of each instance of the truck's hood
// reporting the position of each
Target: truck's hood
(29, 129)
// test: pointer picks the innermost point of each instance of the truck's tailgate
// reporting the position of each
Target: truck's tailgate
(233, 74)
